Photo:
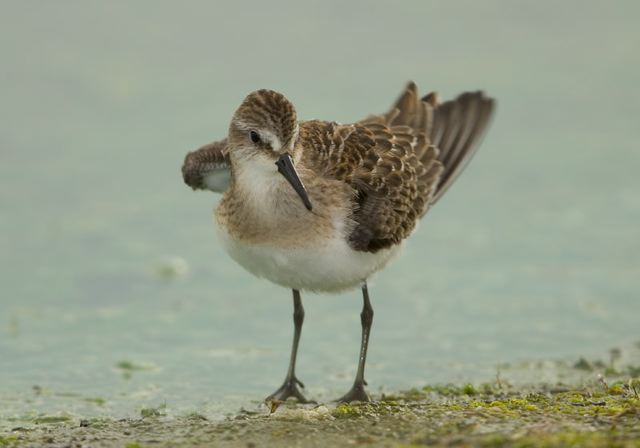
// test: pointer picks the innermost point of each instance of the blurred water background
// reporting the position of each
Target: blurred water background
(114, 294)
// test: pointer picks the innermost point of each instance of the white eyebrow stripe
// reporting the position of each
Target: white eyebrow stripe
(270, 138)
(265, 135)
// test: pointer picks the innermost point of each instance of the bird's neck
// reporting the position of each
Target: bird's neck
(262, 193)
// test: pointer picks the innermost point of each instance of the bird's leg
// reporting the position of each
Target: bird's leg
(291, 383)
(357, 391)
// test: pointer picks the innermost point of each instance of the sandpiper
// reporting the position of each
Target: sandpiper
(321, 206)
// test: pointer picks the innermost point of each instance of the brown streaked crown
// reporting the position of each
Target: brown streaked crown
(269, 114)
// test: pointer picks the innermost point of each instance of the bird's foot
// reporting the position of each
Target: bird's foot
(287, 390)
(357, 393)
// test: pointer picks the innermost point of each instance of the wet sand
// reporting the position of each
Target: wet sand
(596, 404)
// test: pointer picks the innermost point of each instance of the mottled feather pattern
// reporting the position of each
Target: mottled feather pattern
(268, 109)
(197, 164)
(454, 127)
(334, 150)
(419, 147)
(390, 169)
(393, 195)
(397, 164)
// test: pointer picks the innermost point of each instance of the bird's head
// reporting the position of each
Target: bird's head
(264, 132)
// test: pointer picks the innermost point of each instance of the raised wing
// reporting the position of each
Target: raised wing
(401, 162)
(454, 127)
(208, 168)
(391, 169)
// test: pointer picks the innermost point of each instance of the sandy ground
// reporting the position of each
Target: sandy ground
(603, 411)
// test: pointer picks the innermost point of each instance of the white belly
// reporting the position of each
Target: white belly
(329, 267)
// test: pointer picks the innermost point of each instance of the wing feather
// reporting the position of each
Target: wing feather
(458, 128)
(421, 147)
(208, 168)
(454, 127)
(391, 169)
(397, 163)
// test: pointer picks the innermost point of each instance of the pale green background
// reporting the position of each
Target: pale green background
(533, 254)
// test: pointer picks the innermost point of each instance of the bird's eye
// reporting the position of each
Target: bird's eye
(255, 137)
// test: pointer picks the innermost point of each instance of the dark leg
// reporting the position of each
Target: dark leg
(291, 383)
(357, 391)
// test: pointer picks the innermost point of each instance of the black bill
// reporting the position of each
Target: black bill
(286, 168)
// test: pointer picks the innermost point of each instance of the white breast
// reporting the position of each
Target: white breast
(290, 252)
(330, 267)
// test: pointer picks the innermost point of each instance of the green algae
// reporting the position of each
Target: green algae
(98, 401)
(374, 410)
(596, 410)
(42, 419)
(532, 416)
(8, 441)
(151, 412)
(52, 419)
(452, 390)
(128, 368)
